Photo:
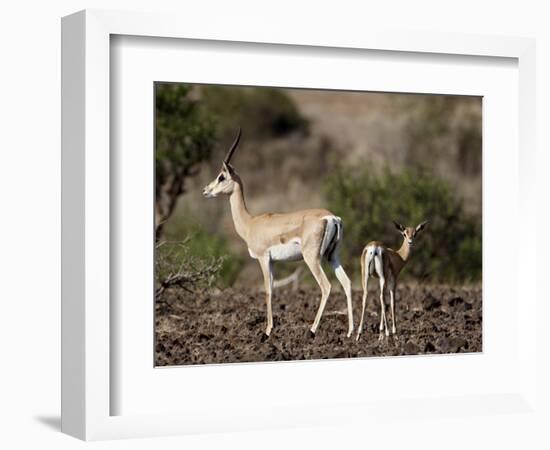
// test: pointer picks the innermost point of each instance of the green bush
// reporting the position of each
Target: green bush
(184, 129)
(449, 249)
(184, 137)
(203, 246)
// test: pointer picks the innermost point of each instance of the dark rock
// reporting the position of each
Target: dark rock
(460, 304)
(255, 321)
(429, 348)
(457, 343)
(411, 348)
(430, 302)
(451, 344)
(456, 301)
(444, 344)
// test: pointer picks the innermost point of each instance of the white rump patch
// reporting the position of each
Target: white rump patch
(291, 251)
(373, 261)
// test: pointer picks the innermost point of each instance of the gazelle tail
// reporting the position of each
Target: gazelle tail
(333, 234)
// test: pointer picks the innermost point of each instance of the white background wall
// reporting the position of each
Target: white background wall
(30, 199)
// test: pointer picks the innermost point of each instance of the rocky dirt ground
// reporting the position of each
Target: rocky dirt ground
(228, 326)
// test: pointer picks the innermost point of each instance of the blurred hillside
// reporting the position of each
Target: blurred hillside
(439, 132)
(294, 140)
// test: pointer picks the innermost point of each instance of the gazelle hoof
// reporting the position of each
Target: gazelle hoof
(357, 337)
(350, 332)
(310, 334)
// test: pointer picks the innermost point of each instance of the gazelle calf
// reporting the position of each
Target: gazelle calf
(311, 235)
(380, 261)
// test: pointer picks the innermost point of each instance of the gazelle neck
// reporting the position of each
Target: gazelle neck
(404, 253)
(241, 216)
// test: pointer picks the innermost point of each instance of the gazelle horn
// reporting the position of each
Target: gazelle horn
(233, 147)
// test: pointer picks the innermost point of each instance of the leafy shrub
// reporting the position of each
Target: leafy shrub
(176, 267)
(184, 137)
(449, 249)
(184, 128)
(203, 246)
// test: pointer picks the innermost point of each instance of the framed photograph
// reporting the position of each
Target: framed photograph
(261, 229)
(368, 157)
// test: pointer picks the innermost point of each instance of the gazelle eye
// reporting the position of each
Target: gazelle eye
(221, 178)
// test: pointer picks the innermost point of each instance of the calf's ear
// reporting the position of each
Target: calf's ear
(421, 226)
(399, 226)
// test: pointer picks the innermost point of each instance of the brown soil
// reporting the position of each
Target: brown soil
(228, 326)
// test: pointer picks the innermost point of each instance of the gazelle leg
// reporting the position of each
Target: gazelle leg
(346, 284)
(267, 271)
(379, 267)
(314, 265)
(383, 322)
(365, 290)
(392, 297)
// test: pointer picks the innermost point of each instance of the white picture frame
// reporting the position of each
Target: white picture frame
(87, 384)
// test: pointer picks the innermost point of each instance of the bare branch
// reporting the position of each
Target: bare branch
(176, 268)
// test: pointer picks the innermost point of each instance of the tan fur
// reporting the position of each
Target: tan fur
(263, 232)
(393, 262)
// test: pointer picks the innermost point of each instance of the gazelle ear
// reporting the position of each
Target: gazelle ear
(399, 226)
(421, 226)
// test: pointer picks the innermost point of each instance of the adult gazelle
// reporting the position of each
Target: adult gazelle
(310, 234)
